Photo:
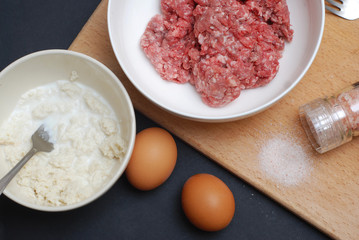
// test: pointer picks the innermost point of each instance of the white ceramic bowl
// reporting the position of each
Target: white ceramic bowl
(44, 67)
(127, 20)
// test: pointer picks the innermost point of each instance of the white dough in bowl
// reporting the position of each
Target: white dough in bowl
(87, 143)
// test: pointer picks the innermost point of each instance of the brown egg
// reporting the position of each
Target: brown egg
(207, 202)
(153, 159)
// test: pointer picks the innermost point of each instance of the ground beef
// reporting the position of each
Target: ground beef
(219, 46)
(169, 37)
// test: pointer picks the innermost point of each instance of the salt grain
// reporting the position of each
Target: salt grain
(284, 161)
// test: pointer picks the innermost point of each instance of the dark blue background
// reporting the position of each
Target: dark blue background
(124, 212)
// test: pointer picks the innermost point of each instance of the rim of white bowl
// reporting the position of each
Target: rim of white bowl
(131, 142)
(223, 118)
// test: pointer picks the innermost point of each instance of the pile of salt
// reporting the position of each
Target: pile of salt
(285, 161)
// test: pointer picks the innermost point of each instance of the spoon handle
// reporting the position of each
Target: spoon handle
(11, 174)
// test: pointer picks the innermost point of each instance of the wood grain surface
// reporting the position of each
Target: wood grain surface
(328, 197)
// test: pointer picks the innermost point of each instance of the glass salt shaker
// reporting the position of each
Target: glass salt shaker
(332, 121)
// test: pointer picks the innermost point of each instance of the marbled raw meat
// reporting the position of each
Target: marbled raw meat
(219, 46)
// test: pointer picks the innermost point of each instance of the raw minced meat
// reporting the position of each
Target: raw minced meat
(168, 50)
(219, 46)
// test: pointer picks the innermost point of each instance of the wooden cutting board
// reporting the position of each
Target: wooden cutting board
(328, 197)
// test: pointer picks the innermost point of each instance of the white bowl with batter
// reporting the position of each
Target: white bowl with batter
(106, 106)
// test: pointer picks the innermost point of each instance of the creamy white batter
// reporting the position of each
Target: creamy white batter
(87, 143)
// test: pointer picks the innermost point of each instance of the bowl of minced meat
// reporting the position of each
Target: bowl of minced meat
(90, 120)
(215, 60)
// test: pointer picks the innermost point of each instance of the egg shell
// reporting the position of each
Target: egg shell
(207, 202)
(153, 159)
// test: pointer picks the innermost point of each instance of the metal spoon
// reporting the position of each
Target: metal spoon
(40, 143)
